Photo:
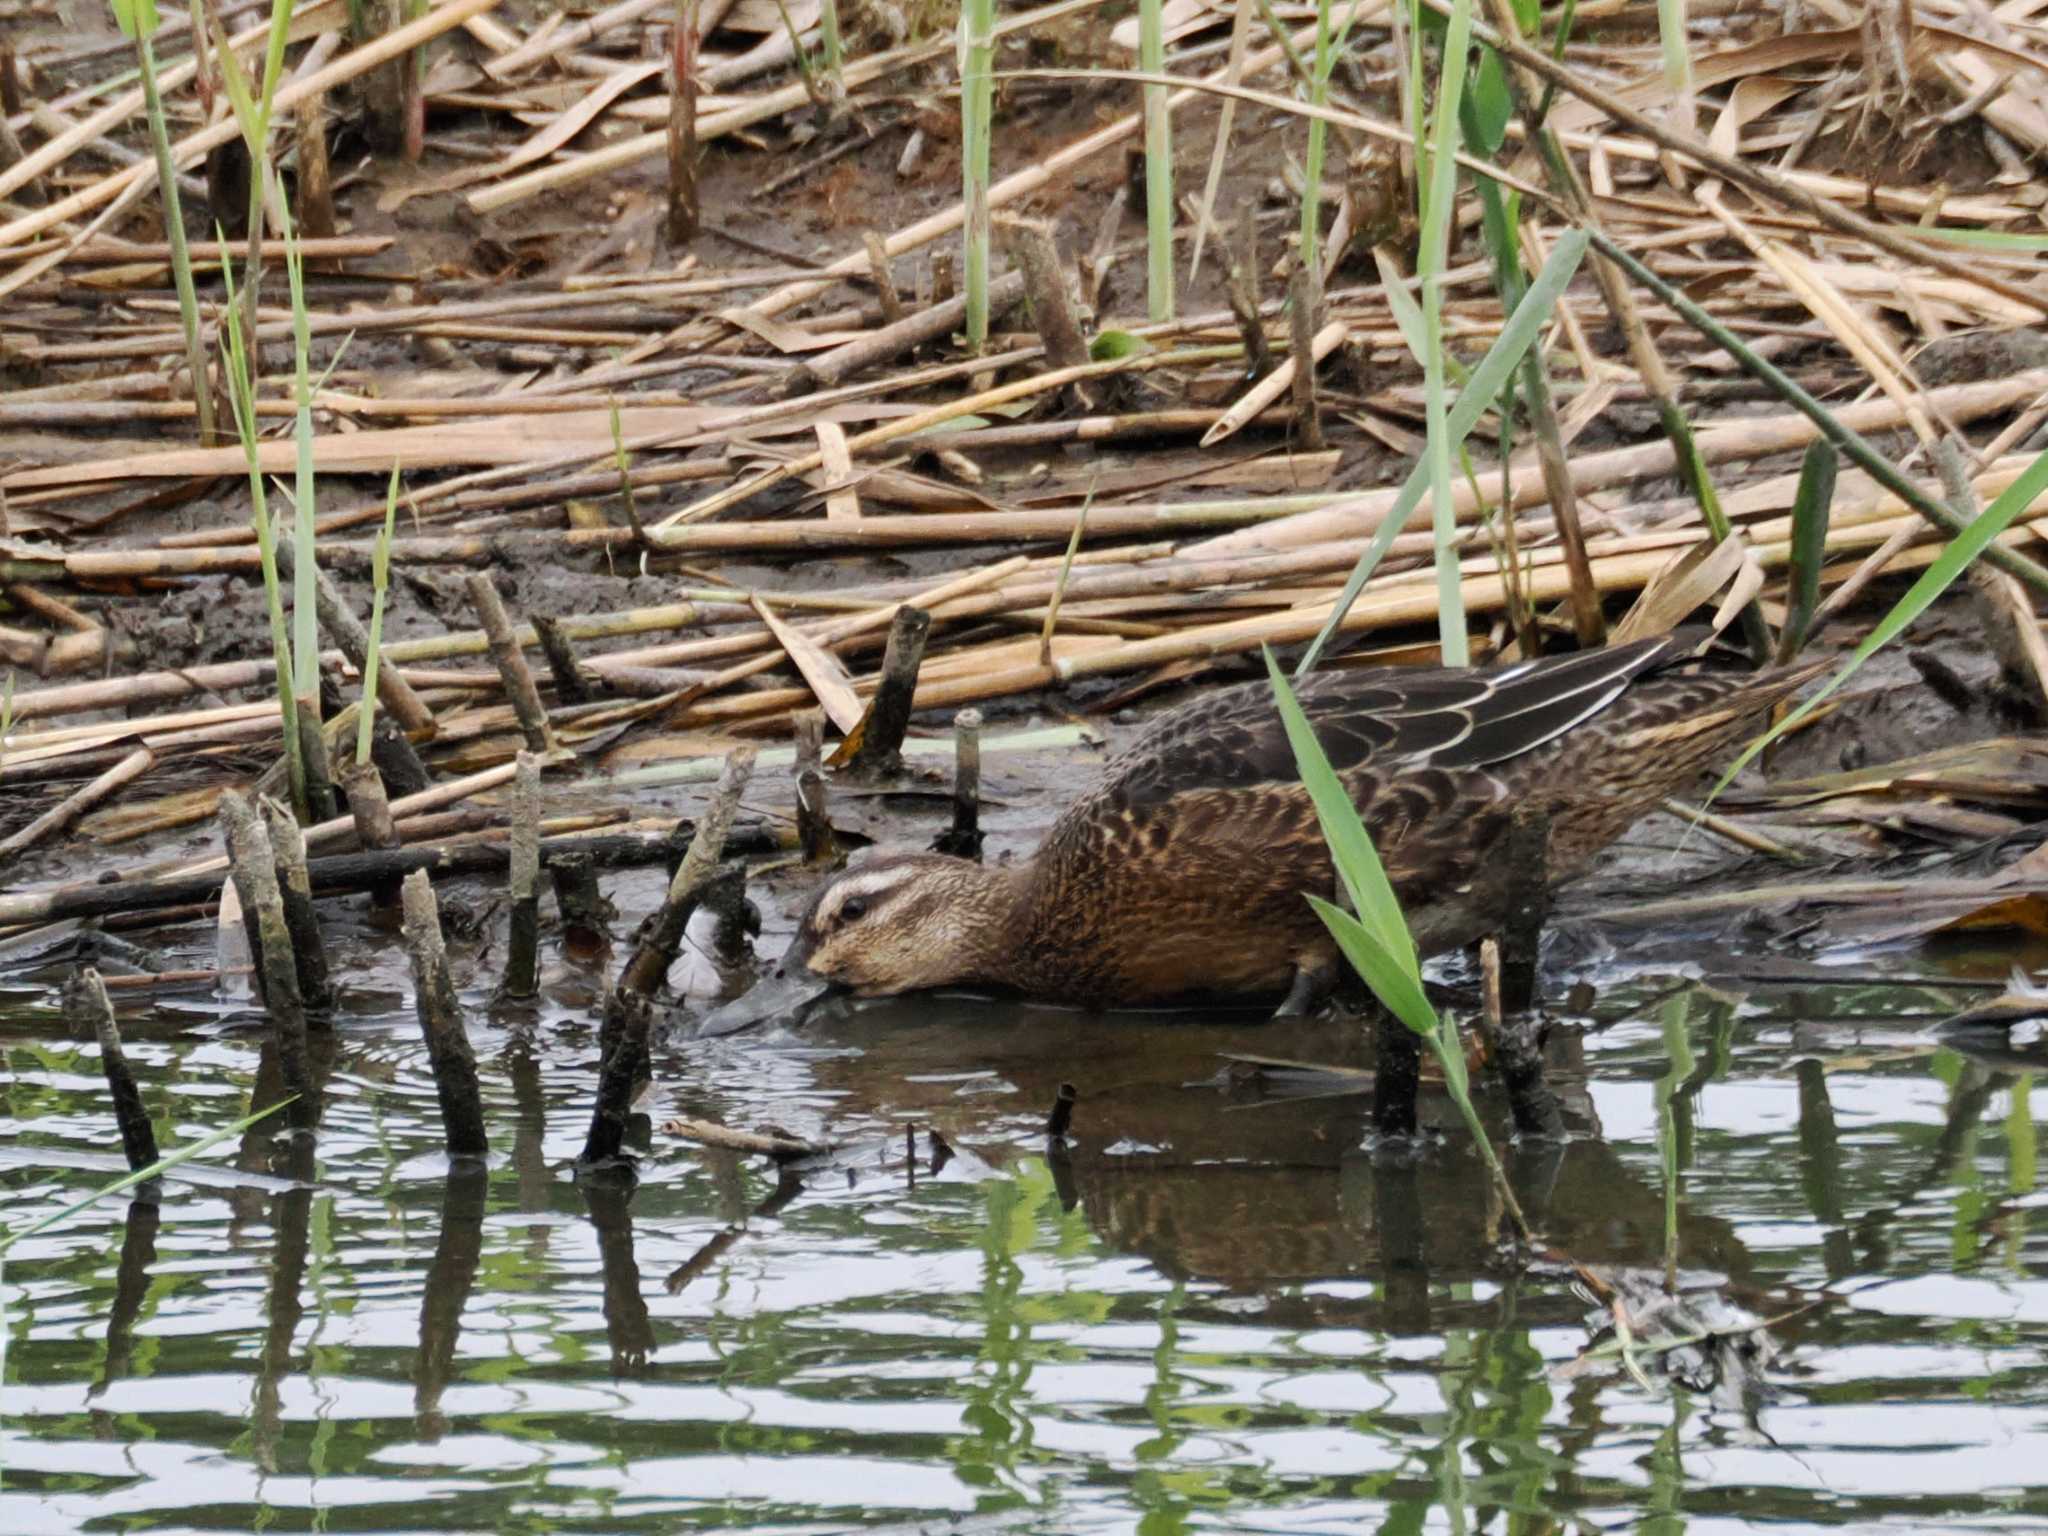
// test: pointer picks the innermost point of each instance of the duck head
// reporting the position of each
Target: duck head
(890, 923)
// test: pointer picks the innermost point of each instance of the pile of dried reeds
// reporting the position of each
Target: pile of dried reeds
(1133, 506)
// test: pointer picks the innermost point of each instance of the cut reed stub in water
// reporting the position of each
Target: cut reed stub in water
(253, 865)
(88, 1009)
(522, 955)
(440, 1016)
(295, 887)
(661, 936)
(370, 809)
(624, 1047)
(580, 902)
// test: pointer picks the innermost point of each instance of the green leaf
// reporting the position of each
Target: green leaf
(1400, 992)
(1487, 106)
(137, 19)
(1115, 346)
(191, 1149)
(1935, 580)
(1351, 849)
(1488, 379)
(1811, 505)
(247, 117)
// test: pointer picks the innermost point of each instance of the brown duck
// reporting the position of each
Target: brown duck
(1182, 872)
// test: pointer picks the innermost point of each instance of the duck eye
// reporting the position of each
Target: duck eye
(853, 909)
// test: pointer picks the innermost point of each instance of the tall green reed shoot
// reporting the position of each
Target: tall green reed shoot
(1936, 579)
(380, 580)
(242, 397)
(829, 44)
(1437, 187)
(1158, 164)
(977, 111)
(1374, 934)
(305, 619)
(1481, 389)
(138, 21)
(1329, 47)
(252, 116)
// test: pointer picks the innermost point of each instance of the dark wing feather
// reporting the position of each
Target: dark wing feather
(1394, 719)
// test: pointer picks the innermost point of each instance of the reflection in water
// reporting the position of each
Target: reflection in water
(1210, 1308)
(131, 1288)
(627, 1324)
(450, 1278)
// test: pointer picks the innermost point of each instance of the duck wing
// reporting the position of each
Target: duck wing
(1390, 719)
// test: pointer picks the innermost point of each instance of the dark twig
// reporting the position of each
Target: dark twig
(87, 1007)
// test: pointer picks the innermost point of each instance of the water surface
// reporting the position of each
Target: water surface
(1217, 1311)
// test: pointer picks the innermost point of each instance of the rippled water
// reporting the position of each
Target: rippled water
(1216, 1312)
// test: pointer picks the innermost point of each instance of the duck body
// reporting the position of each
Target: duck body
(1183, 871)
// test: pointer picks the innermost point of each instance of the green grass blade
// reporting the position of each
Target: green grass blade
(1488, 379)
(190, 1150)
(305, 617)
(1400, 992)
(1953, 561)
(1351, 849)
(1811, 506)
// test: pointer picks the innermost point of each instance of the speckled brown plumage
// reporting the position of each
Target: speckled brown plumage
(1182, 872)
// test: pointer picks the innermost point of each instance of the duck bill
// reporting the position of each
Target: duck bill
(782, 995)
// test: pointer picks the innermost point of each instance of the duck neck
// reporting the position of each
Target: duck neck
(988, 911)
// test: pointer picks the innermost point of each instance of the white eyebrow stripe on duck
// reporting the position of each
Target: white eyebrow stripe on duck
(871, 883)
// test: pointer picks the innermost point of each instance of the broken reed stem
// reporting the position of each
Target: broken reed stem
(309, 953)
(1031, 246)
(371, 811)
(683, 210)
(1304, 310)
(945, 315)
(252, 863)
(321, 804)
(1589, 622)
(579, 901)
(76, 804)
(661, 936)
(316, 185)
(572, 683)
(813, 817)
(881, 738)
(87, 1008)
(505, 650)
(1062, 1116)
(963, 838)
(440, 1016)
(522, 957)
(623, 1064)
(1241, 286)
